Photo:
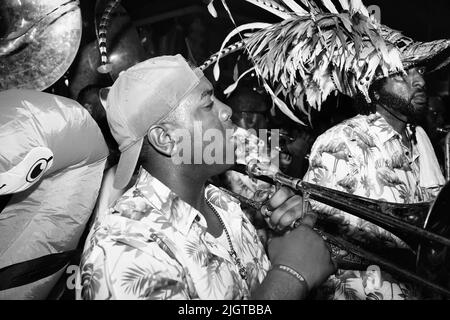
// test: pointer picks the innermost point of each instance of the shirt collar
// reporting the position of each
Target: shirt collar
(178, 212)
(384, 130)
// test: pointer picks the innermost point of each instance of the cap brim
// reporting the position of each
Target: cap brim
(127, 164)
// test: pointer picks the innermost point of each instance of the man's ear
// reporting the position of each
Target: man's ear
(159, 137)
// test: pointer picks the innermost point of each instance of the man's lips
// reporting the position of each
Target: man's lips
(420, 97)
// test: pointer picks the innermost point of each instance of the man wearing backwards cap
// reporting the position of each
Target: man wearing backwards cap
(169, 236)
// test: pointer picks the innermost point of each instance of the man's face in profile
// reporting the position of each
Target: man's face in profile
(204, 113)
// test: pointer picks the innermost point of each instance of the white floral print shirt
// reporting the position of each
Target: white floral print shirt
(365, 156)
(153, 245)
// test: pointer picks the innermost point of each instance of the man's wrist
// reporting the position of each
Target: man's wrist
(290, 273)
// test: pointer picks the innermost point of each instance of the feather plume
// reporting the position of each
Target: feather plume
(211, 9)
(249, 26)
(344, 4)
(224, 52)
(313, 52)
(330, 6)
(233, 86)
(228, 11)
(321, 54)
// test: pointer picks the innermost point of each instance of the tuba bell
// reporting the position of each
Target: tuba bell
(38, 41)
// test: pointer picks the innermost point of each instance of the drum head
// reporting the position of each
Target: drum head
(433, 260)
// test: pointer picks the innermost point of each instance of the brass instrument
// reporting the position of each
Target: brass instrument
(446, 130)
(424, 226)
(447, 157)
(38, 41)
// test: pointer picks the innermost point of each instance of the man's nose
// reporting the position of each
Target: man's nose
(225, 111)
(418, 81)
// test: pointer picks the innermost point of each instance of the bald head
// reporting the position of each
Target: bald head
(248, 100)
(249, 109)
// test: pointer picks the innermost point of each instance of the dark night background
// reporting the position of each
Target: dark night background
(419, 19)
(166, 26)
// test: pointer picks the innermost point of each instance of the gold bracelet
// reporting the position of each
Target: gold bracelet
(292, 272)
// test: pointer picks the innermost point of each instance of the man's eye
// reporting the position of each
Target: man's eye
(421, 70)
(209, 106)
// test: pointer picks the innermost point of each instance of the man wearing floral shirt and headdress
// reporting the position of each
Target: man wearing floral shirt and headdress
(324, 47)
(172, 237)
(380, 154)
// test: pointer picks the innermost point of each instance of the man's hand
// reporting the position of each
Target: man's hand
(305, 251)
(284, 208)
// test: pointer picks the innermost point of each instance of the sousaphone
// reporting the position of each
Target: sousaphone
(39, 40)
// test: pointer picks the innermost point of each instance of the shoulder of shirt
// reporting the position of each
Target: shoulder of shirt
(133, 194)
(337, 131)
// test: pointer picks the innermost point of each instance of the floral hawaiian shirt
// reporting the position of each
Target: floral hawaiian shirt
(153, 245)
(365, 156)
(256, 190)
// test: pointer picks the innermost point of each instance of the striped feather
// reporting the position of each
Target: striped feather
(272, 7)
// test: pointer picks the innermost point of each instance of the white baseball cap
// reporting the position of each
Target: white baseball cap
(142, 96)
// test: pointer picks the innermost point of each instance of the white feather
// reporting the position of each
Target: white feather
(283, 107)
(248, 26)
(228, 11)
(211, 9)
(330, 6)
(233, 86)
(344, 4)
(358, 6)
(216, 70)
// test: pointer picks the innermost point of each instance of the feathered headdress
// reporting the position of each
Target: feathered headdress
(316, 50)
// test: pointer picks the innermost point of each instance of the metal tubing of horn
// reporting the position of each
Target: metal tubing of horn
(368, 209)
(389, 266)
(358, 251)
(447, 156)
(361, 210)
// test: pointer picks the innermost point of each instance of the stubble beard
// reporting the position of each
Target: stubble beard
(402, 106)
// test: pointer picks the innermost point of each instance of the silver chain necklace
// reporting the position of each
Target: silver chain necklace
(232, 252)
